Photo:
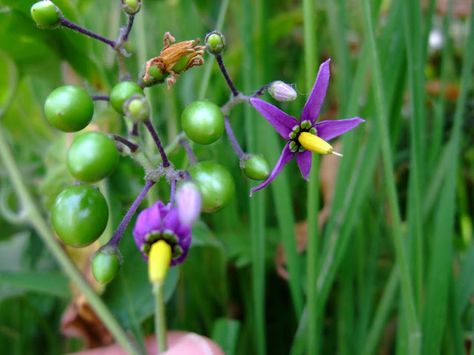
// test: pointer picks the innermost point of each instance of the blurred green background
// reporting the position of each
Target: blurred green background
(386, 268)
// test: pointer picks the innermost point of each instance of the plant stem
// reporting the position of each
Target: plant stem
(233, 140)
(189, 151)
(71, 25)
(226, 75)
(38, 222)
(100, 97)
(157, 140)
(160, 318)
(132, 146)
(127, 30)
(115, 240)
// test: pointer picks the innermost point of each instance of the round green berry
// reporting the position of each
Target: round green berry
(203, 122)
(105, 264)
(79, 215)
(214, 183)
(122, 92)
(69, 108)
(215, 42)
(137, 108)
(256, 167)
(131, 7)
(92, 156)
(45, 14)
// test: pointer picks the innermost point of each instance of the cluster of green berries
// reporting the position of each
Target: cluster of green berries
(80, 212)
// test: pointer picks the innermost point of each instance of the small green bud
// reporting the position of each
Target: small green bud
(46, 14)
(131, 7)
(105, 264)
(137, 108)
(256, 167)
(215, 42)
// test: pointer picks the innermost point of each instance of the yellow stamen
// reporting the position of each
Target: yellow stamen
(159, 261)
(314, 143)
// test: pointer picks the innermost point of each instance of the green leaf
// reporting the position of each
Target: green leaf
(51, 283)
(226, 333)
(8, 81)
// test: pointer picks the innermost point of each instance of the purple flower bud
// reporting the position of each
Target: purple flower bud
(162, 221)
(188, 202)
(281, 91)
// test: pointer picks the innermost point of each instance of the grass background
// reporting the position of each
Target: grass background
(388, 266)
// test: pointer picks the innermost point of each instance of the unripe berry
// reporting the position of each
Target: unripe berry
(46, 14)
(137, 108)
(122, 92)
(215, 42)
(131, 7)
(256, 167)
(105, 264)
(203, 122)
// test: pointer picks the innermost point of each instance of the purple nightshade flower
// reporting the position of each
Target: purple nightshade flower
(305, 135)
(162, 221)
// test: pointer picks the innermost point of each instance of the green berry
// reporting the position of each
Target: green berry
(69, 108)
(256, 167)
(137, 108)
(105, 264)
(92, 156)
(122, 92)
(203, 122)
(46, 14)
(215, 42)
(79, 215)
(214, 183)
(131, 7)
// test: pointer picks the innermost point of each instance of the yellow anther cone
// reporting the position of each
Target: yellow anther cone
(159, 261)
(314, 143)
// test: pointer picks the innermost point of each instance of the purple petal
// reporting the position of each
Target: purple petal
(328, 130)
(148, 220)
(281, 121)
(171, 221)
(285, 157)
(318, 93)
(304, 162)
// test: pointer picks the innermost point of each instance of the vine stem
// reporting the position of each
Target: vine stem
(71, 25)
(233, 140)
(115, 240)
(157, 140)
(189, 151)
(132, 146)
(47, 235)
(226, 75)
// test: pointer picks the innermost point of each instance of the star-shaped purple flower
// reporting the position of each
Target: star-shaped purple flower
(305, 135)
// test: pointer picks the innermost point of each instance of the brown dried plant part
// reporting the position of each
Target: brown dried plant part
(175, 58)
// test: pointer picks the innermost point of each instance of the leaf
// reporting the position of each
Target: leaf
(51, 283)
(8, 81)
(226, 334)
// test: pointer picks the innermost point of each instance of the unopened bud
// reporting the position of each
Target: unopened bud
(137, 108)
(131, 7)
(188, 201)
(281, 91)
(215, 42)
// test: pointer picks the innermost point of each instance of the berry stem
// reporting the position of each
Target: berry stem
(261, 91)
(115, 240)
(127, 29)
(189, 151)
(132, 146)
(71, 25)
(172, 191)
(157, 140)
(100, 97)
(233, 141)
(227, 78)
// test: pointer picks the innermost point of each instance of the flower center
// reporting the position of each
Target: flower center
(304, 126)
(167, 235)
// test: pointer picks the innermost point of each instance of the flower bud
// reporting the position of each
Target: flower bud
(255, 167)
(188, 201)
(131, 7)
(105, 264)
(46, 14)
(215, 42)
(281, 91)
(137, 108)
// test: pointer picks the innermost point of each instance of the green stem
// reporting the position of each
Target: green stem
(160, 318)
(312, 335)
(412, 326)
(38, 222)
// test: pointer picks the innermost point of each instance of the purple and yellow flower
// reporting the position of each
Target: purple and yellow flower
(306, 135)
(162, 222)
